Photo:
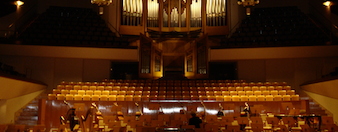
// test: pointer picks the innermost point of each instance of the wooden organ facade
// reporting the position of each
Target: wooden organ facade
(142, 16)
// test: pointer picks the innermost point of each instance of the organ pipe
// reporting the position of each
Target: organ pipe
(132, 12)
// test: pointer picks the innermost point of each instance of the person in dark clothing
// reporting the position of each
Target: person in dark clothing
(194, 120)
(71, 117)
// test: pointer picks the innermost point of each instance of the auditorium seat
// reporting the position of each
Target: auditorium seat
(86, 97)
(52, 96)
(295, 97)
(60, 97)
(56, 91)
(227, 98)
(278, 98)
(112, 97)
(73, 92)
(69, 97)
(286, 97)
(64, 92)
(77, 97)
(261, 98)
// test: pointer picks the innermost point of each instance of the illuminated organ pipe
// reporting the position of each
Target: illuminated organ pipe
(132, 12)
(153, 13)
(196, 20)
(216, 12)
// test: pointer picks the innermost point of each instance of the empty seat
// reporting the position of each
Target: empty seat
(260, 98)
(64, 91)
(269, 97)
(286, 97)
(257, 93)
(235, 98)
(95, 97)
(290, 92)
(86, 97)
(274, 92)
(278, 98)
(69, 97)
(97, 92)
(262, 88)
(247, 88)
(105, 92)
(77, 97)
(73, 92)
(244, 98)
(129, 97)
(77, 87)
(120, 97)
(112, 97)
(85, 87)
(92, 88)
(254, 88)
(295, 97)
(51, 96)
(227, 98)
(103, 97)
(271, 87)
(241, 93)
(100, 88)
(252, 98)
(266, 92)
(282, 92)
(60, 97)
(248, 92)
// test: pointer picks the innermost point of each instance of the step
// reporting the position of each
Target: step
(29, 113)
(33, 118)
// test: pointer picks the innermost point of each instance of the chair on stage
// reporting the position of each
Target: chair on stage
(3, 127)
(188, 128)
(211, 127)
(243, 122)
(37, 128)
(233, 128)
(16, 128)
(272, 122)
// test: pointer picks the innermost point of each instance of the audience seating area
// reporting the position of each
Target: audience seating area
(142, 90)
(70, 26)
(277, 26)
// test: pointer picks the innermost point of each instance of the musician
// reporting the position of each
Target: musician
(247, 109)
(194, 120)
(72, 119)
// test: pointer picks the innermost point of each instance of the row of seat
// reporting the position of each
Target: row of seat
(133, 92)
(183, 83)
(281, 28)
(79, 97)
(173, 88)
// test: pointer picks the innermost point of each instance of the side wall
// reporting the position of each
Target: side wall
(9, 107)
(324, 93)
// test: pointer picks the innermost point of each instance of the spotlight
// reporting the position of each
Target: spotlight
(19, 3)
(327, 3)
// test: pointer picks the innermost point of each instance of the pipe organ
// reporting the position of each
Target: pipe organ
(174, 15)
(132, 12)
(153, 13)
(216, 13)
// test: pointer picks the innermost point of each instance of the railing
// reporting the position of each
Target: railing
(15, 28)
(326, 21)
(112, 27)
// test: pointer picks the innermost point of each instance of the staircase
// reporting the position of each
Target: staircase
(28, 115)
(316, 109)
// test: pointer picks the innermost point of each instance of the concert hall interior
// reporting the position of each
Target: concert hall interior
(150, 65)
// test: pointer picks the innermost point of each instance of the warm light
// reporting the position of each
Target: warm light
(18, 3)
(102, 2)
(327, 3)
